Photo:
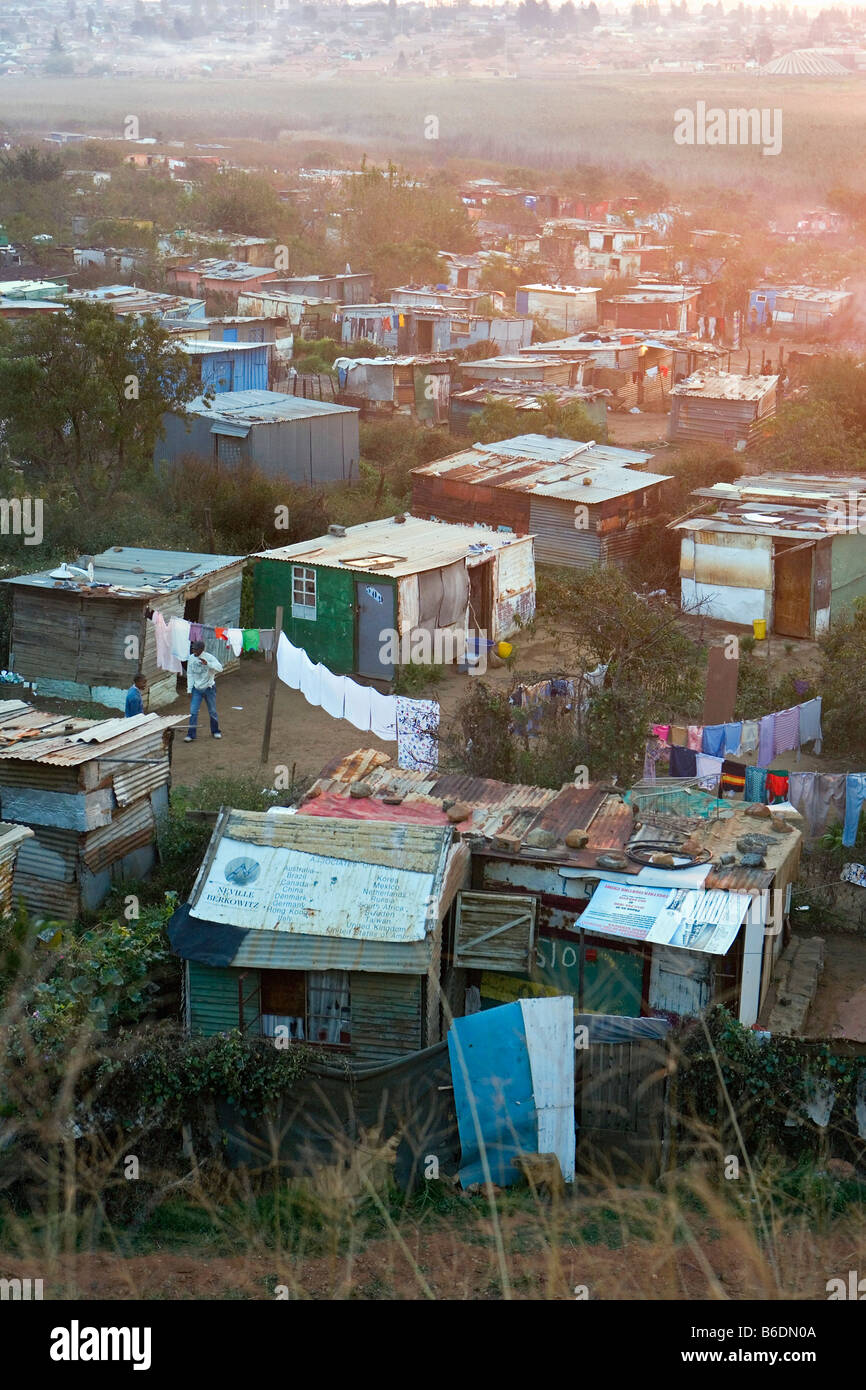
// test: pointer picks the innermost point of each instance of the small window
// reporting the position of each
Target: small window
(303, 593)
(228, 448)
(307, 1006)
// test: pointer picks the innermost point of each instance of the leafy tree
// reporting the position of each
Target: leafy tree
(843, 660)
(82, 396)
(809, 437)
(31, 165)
(502, 420)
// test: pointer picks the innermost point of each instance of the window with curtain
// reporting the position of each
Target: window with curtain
(309, 1005)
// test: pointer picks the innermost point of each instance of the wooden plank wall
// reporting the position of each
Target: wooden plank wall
(386, 1016)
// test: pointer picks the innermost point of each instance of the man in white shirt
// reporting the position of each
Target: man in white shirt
(201, 685)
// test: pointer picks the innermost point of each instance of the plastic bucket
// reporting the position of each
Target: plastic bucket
(759, 628)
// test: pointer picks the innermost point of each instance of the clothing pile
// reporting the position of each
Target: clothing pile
(413, 724)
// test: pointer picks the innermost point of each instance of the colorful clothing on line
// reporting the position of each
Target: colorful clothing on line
(196, 632)
(417, 733)
(855, 796)
(756, 784)
(251, 639)
(683, 762)
(766, 740)
(235, 639)
(679, 735)
(662, 731)
(819, 797)
(267, 639)
(694, 737)
(777, 787)
(787, 731)
(733, 778)
(733, 739)
(749, 736)
(713, 740)
(810, 724)
(653, 751)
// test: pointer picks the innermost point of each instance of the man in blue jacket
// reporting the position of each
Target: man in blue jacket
(134, 697)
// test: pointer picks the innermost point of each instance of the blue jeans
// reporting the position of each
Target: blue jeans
(209, 696)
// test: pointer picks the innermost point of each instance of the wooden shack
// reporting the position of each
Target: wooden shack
(90, 792)
(11, 839)
(317, 930)
(85, 639)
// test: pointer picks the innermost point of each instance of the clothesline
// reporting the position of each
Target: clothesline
(413, 724)
(784, 731)
(173, 639)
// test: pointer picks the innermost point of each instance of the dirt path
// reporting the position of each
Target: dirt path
(460, 1263)
(304, 735)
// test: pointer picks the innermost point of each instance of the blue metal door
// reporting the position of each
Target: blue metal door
(374, 606)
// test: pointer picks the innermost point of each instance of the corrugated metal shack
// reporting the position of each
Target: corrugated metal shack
(384, 386)
(586, 504)
(525, 879)
(90, 791)
(723, 407)
(785, 547)
(225, 366)
(341, 593)
(85, 641)
(329, 931)
(567, 307)
(304, 441)
(467, 405)
(529, 367)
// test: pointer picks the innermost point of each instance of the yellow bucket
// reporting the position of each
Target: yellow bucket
(504, 649)
(759, 627)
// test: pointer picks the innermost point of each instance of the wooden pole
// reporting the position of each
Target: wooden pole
(269, 712)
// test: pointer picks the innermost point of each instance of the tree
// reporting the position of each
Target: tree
(809, 437)
(843, 660)
(502, 420)
(83, 394)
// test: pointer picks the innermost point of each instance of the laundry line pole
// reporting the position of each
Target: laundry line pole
(269, 712)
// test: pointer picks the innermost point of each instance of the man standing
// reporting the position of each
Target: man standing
(201, 685)
(134, 700)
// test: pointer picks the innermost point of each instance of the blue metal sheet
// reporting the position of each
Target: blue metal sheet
(496, 1114)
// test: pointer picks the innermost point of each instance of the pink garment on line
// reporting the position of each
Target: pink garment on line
(662, 731)
(695, 737)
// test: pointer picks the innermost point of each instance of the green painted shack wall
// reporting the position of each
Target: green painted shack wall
(386, 1009)
(213, 999)
(847, 572)
(331, 638)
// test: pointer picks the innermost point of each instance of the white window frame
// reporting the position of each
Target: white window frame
(304, 576)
